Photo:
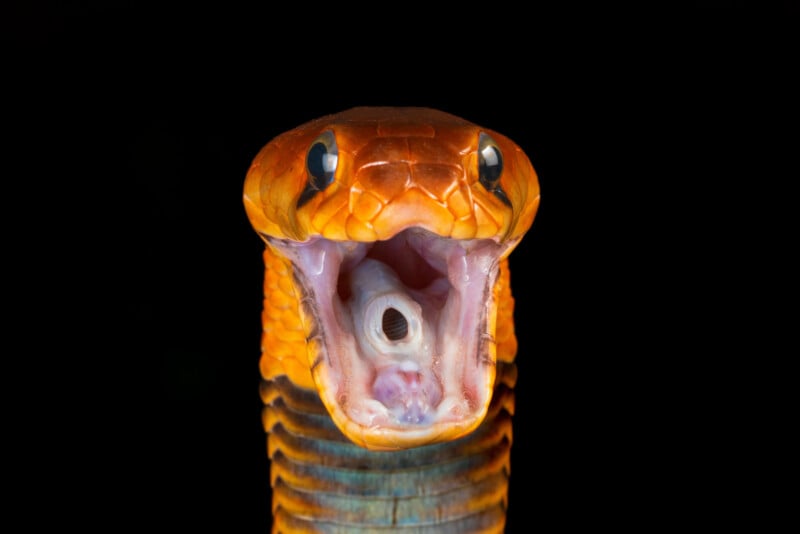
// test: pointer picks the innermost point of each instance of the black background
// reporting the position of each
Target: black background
(136, 128)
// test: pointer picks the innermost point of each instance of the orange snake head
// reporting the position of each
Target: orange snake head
(396, 223)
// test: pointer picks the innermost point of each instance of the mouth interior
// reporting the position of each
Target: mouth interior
(404, 326)
(414, 270)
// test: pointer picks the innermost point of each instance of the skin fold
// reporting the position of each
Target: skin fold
(388, 339)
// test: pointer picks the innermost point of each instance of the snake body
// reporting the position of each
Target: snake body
(388, 338)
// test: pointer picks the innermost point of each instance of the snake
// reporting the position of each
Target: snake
(388, 343)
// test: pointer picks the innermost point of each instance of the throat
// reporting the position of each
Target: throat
(400, 335)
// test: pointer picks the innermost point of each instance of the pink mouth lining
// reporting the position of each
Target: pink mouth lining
(442, 287)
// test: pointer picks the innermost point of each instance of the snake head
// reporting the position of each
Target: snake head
(395, 224)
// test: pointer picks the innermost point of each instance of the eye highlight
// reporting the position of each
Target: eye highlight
(321, 161)
(490, 167)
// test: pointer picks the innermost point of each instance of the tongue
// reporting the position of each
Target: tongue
(410, 395)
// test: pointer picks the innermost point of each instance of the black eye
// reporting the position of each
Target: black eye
(321, 160)
(490, 167)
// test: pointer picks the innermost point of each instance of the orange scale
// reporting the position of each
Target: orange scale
(381, 149)
(288, 335)
(271, 313)
(281, 300)
(336, 227)
(272, 280)
(430, 151)
(275, 263)
(460, 202)
(327, 210)
(277, 350)
(359, 231)
(271, 367)
(286, 285)
(437, 179)
(487, 225)
(465, 228)
(289, 319)
(365, 206)
(414, 208)
(385, 181)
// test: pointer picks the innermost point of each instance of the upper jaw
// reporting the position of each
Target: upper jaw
(429, 376)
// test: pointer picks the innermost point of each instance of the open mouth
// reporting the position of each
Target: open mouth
(400, 332)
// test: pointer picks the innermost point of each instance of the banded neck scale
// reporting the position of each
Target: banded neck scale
(388, 338)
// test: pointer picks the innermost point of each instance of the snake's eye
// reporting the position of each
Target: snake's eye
(321, 160)
(490, 167)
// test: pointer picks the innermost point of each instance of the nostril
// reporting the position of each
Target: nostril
(394, 324)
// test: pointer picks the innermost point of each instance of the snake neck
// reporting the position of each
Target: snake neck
(321, 482)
